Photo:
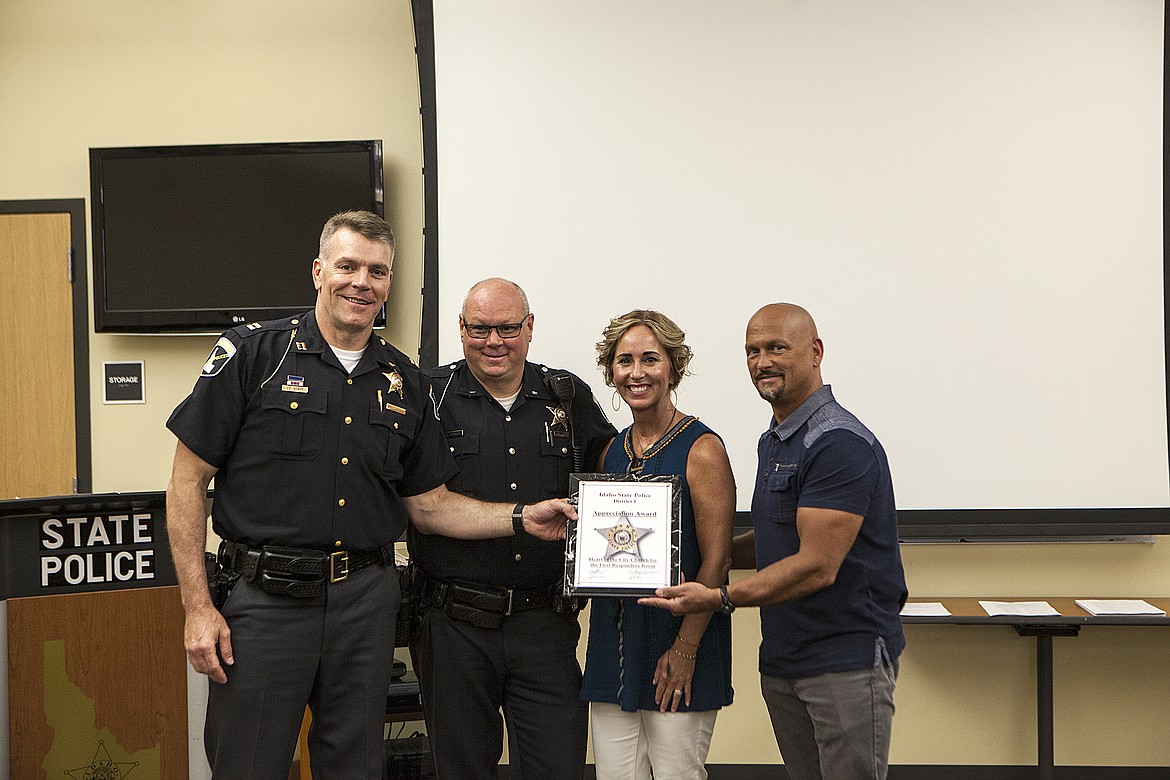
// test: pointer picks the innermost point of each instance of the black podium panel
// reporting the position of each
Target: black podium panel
(84, 543)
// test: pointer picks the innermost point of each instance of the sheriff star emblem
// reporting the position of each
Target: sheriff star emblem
(102, 767)
(558, 416)
(623, 537)
(395, 380)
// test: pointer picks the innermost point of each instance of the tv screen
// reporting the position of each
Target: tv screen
(203, 238)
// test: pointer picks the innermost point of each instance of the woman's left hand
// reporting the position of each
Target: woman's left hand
(672, 676)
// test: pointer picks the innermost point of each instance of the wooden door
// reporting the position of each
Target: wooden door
(38, 440)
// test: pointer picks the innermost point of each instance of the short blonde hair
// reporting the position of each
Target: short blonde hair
(669, 335)
(364, 223)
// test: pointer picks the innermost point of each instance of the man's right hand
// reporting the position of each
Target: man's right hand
(684, 599)
(208, 639)
(546, 520)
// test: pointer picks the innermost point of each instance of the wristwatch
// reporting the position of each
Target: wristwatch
(725, 606)
(518, 518)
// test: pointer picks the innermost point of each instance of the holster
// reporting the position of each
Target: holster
(568, 605)
(219, 581)
(408, 613)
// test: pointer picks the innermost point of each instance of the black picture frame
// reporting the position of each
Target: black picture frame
(583, 537)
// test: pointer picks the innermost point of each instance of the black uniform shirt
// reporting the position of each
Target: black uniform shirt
(309, 456)
(522, 455)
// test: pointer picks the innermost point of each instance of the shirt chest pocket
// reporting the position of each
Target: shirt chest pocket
(556, 462)
(465, 448)
(391, 434)
(462, 445)
(296, 422)
(780, 489)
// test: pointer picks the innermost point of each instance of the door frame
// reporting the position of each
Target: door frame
(75, 208)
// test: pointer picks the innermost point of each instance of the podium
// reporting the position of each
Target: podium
(92, 627)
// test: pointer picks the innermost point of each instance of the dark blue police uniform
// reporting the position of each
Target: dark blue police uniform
(492, 633)
(316, 459)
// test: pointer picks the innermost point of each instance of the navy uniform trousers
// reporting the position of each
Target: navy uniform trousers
(333, 652)
(528, 668)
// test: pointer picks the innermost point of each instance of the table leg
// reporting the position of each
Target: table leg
(1045, 756)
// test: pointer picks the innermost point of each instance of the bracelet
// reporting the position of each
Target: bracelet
(518, 518)
(680, 654)
(726, 607)
(679, 638)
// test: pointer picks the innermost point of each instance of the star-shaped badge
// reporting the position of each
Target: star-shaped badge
(102, 767)
(395, 380)
(623, 537)
(558, 416)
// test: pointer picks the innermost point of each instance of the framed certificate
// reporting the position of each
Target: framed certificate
(626, 539)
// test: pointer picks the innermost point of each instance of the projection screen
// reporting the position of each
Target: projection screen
(967, 196)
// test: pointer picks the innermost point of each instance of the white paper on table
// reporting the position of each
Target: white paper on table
(1034, 608)
(1119, 607)
(925, 609)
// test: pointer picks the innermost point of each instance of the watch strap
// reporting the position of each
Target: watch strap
(725, 605)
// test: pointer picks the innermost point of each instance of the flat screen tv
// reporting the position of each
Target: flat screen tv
(198, 239)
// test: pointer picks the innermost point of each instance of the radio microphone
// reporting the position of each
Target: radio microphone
(562, 387)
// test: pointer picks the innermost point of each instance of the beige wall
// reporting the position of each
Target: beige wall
(85, 73)
(82, 73)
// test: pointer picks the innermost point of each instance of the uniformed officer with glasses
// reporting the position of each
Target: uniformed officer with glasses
(495, 642)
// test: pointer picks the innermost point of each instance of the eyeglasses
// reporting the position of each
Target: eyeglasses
(506, 331)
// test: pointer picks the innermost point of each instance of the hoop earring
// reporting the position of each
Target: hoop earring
(615, 401)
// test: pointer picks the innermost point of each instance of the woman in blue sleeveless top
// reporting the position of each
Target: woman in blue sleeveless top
(656, 681)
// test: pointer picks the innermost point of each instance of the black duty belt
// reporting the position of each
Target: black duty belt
(485, 606)
(296, 572)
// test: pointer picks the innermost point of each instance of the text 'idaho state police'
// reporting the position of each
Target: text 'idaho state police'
(84, 550)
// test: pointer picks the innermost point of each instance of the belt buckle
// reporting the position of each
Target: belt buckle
(338, 566)
(511, 592)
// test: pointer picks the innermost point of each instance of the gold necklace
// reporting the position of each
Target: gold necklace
(645, 444)
(637, 463)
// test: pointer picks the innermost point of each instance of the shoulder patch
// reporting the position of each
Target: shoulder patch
(221, 353)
